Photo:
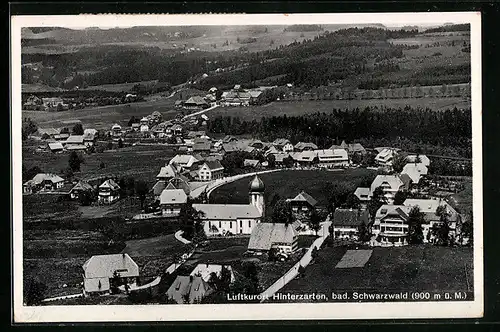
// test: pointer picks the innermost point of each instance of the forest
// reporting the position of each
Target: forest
(329, 57)
(448, 132)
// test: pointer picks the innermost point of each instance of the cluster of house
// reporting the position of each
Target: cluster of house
(35, 103)
(100, 272)
(389, 226)
(63, 141)
(108, 191)
(237, 96)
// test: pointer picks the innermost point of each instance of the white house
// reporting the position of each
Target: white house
(385, 156)
(390, 185)
(391, 225)
(346, 223)
(109, 192)
(418, 159)
(116, 130)
(44, 182)
(99, 270)
(184, 161)
(415, 171)
(167, 172)
(210, 170)
(144, 124)
(223, 219)
(332, 158)
(172, 200)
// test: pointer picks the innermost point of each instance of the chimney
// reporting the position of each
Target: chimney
(191, 278)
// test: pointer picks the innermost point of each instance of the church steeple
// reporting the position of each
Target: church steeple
(256, 194)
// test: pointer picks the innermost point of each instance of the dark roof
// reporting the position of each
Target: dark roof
(304, 197)
(350, 217)
(201, 144)
(158, 188)
(265, 234)
(213, 164)
(405, 178)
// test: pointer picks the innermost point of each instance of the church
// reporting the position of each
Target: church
(233, 219)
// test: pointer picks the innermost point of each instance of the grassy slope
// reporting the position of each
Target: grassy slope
(410, 268)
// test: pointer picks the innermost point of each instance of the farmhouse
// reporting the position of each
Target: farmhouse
(89, 136)
(81, 186)
(109, 192)
(174, 130)
(43, 182)
(273, 235)
(101, 270)
(167, 172)
(56, 147)
(61, 137)
(302, 205)
(205, 271)
(385, 156)
(390, 185)
(280, 143)
(418, 159)
(346, 223)
(332, 158)
(184, 161)
(201, 145)
(171, 201)
(48, 132)
(272, 150)
(224, 219)
(364, 195)
(305, 146)
(116, 130)
(188, 289)
(144, 124)
(414, 171)
(251, 163)
(196, 102)
(304, 158)
(351, 149)
(391, 225)
(74, 140)
(54, 103)
(210, 170)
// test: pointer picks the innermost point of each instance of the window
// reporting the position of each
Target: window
(383, 211)
(249, 223)
(230, 224)
(241, 223)
(178, 286)
(220, 224)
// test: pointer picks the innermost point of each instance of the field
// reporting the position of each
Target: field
(297, 108)
(124, 87)
(103, 117)
(410, 268)
(142, 162)
(287, 184)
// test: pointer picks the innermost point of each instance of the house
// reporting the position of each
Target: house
(201, 145)
(415, 171)
(48, 132)
(391, 225)
(346, 223)
(251, 163)
(56, 147)
(226, 219)
(280, 143)
(33, 103)
(43, 182)
(188, 290)
(305, 146)
(136, 126)
(196, 102)
(179, 182)
(257, 144)
(100, 270)
(116, 130)
(229, 139)
(109, 192)
(158, 188)
(351, 149)
(332, 158)
(196, 134)
(211, 170)
(205, 271)
(429, 208)
(54, 103)
(184, 161)
(171, 201)
(167, 172)
(61, 137)
(272, 150)
(174, 130)
(178, 103)
(364, 196)
(233, 147)
(144, 124)
(302, 205)
(288, 147)
(273, 235)
(76, 147)
(236, 97)
(390, 185)
(81, 186)
(385, 156)
(418, 159)
(304, 158)
(89, 136)
(74, 140)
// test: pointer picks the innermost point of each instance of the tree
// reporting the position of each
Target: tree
(34, 291)
(400, 197)
(271, 160)
(398, 162)
(120, 143)
(467, 230)
(442, 230)
(133, 120)
(352, 202)
(30, 173)
(363, 233)
(191, 221)
(141, 190)
(282, 213)
(77, 129)
(288, 162)
(315, 221)
(86, 197)
(109, 146)
(376, 201)
(102, 165)
(75, 161)
(415, 221)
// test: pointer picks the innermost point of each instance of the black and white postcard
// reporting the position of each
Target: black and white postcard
(246, 167)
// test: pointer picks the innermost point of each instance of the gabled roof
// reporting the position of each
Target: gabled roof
(48, 131)
(111, 184)
(55, 146)
(179, 182)
(116, 126)
(281, 141)
(75, 139)
(158, 187)
(350, 217)
(272, 150)
(305, 145)
(251, 163)
(76, 147)
(414, 171)
(214, 165)
(227, 211)
(307, 156)
(41, 177)
(264, 235)
(392, 210)
(193, 134)
(363, 194)
(82, 185)
(173, 196)
(279, 157)
(89, 135)
(201, 144)
(304, 197)
(328, 155)
(229, 138)
(197, 100)
(423, 159)
(193, 288)
(168, 171)
(394, 181)
(205, 271)
(430, 206)
(105, 265)
(183, 159)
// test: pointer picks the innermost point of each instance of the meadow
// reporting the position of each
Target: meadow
(411, 268)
